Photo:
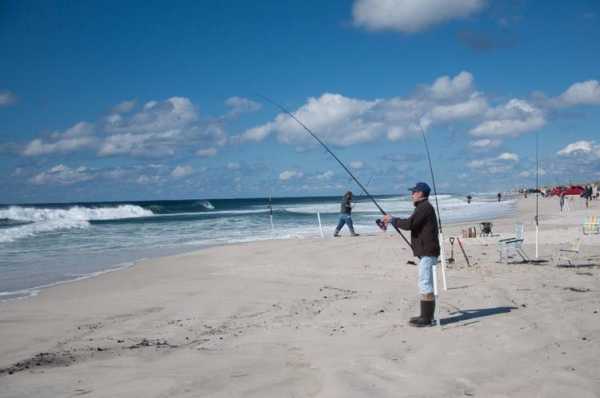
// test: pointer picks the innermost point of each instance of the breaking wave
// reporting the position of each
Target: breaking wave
(30, 221)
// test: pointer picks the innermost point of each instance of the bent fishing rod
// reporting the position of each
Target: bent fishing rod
(338, 160)
(437, 207)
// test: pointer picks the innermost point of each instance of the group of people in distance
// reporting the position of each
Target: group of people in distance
(423, 227)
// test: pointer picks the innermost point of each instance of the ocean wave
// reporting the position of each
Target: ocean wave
(75, 213)
(24, 231)
(35, 220)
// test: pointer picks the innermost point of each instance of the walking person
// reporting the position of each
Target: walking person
(345, 215)
(423, 228)
(562, 202)
(500, 197)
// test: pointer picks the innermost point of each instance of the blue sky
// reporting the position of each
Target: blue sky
(150, 100)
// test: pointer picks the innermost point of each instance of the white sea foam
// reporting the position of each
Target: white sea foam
(49, 219)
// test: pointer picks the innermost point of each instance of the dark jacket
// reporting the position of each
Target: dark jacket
(423, 228)
(346, 206)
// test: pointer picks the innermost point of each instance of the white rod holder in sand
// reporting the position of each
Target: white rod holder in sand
(443, 256)
(320, 226)
(537, 230)
(436, 315)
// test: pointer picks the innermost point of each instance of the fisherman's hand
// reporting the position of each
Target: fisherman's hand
(387, 219)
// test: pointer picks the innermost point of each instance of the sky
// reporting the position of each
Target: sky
(146, 100)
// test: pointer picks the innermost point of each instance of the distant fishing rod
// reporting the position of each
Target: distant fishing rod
(338, 160)
(437, 207)
(439, 217)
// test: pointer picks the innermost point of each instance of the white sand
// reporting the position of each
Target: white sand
(323, 318)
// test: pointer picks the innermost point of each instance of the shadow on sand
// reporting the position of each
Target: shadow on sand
(466, 315)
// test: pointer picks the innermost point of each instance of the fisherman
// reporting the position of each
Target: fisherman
(423, 228)
(469, 197)
(499, 197)
(345, 215)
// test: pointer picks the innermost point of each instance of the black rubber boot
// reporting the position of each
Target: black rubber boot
(427, 310)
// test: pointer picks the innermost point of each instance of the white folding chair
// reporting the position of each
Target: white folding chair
(509, 248)
(569, 256)
(591, 226)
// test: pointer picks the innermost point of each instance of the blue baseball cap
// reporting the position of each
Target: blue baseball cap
(421, 187)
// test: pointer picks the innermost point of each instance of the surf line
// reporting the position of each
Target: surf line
(337, 159)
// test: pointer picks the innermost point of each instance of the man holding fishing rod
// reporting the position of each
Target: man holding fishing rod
(423, 228)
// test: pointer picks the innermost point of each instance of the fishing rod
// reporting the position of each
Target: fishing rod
(437, 208)
(338, 160)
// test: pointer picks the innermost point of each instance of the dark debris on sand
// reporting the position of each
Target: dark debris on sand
(43, 359)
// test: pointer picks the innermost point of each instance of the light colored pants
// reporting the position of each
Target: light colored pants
(426, 274)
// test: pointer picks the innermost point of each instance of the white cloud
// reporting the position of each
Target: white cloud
(240, 105)
(62, 175)
(345, 121)
(76, 137)
(7, 98)
(531, 173)
(336, 118)
(148, 179)
(410, 16)
(206, 152)
(582, 93)
(356, 164)
(182, 171)
(159, 129)
(287, 175)
(514, 118)
(124, 107)
(485, 143)
(581, 147)
(509, 156)
(446, 87)
(233, 166)
(499, 164)
(324, 176)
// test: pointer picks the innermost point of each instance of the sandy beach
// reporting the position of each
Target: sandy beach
(318, 318)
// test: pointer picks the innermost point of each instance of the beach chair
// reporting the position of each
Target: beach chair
(568, 257)
(591, 226)
(509, 248)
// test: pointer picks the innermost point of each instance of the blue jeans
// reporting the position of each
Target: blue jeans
(345, 219)
(426, 274)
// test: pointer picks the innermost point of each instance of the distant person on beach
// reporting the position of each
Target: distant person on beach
(345, 215)
(499, 196)
(562, 202)
(469, 198)
(423, 228)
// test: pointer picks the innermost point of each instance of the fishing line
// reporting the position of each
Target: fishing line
(338, 160)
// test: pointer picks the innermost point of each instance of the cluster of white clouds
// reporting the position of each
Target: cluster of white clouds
(159, 128)
(62, 175)
(345, 121)
(80, 136)
(410, 16)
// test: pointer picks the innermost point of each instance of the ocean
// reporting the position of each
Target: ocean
(43, 245)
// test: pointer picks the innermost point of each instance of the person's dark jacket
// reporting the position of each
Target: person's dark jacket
(346, 206)
(423, 228)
